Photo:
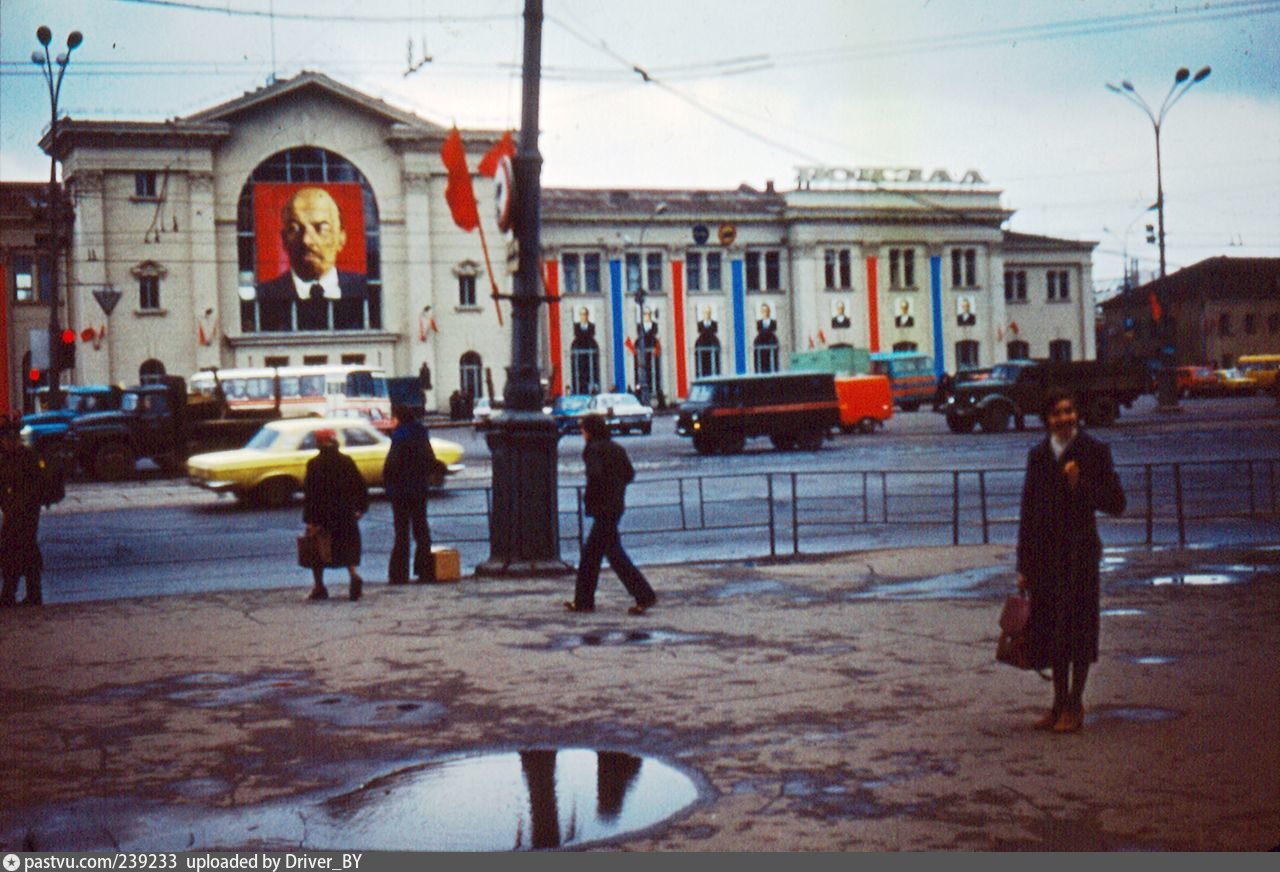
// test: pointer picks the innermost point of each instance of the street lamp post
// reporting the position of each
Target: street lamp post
(41, 58)
(642, 360)
(1167, 395)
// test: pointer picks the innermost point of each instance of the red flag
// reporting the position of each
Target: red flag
(811, 342)
(1155, 306)
(432, 322)
(657, 348)
(422, 329)
(1013, 327)
(505, 147)
(87, 334)
(822, 337)
(459, 193)
(631, 346)
(200, 337)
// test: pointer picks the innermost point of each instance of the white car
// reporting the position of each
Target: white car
(622, 412)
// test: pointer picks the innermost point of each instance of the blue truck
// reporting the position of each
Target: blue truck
(44, 430)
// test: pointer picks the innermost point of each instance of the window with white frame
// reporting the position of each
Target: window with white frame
(763, 269)
(149, 273)
(1059, 285)
(144, 185)
(31, 278)
(580, 272)
(467, 290)
(1015, 286)
(702, 271)
(902, 267)
(838, 268)
(964, 267)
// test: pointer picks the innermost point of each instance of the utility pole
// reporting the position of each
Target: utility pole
(524, 537)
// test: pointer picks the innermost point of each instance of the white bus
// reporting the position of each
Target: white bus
(298, 391)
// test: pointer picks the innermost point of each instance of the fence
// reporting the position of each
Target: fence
(777, 514)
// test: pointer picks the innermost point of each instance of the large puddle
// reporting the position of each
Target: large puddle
(525, 800)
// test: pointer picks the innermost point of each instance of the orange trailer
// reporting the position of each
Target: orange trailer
(866, 402)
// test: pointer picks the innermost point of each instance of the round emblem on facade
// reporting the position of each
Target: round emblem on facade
(727, 234)
(700, 234)
(502, 180)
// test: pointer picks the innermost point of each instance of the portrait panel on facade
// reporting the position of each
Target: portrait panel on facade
(310, 233)
(840, 314)
(766, 322)
(904, 312)
(584, 326)
(966, 311)
(707, 323)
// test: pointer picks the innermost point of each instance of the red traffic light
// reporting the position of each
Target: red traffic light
(35, 375)
(68, 336)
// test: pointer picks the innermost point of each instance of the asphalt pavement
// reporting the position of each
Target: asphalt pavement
(844, 703)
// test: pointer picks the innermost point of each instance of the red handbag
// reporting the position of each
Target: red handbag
(1014, 647)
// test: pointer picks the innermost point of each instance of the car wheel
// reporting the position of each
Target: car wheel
(960, 423)
(732, 444)
(647, 429)
(910, 405)
(782, 441)
(704, 445)
(809, 441)
(275, 492)
(867, 425)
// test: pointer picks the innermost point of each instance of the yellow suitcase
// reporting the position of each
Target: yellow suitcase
(448, 564)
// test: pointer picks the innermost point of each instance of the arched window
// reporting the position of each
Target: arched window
(706, 356)
(270, 299)
(967, 354)
(1018, 349)
(1060, 350)
(151, 371)
(766, 353)
(471, 375)
(905, 346)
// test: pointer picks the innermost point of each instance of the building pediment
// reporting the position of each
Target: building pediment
(313, 86)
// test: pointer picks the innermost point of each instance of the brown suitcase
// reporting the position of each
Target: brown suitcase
(448, 563)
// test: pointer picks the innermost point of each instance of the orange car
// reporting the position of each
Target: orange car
(1197, 381)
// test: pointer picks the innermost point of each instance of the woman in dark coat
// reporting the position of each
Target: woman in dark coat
(1070, 477)
(335, 497)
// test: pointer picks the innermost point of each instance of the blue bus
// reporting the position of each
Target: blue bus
(911, 377)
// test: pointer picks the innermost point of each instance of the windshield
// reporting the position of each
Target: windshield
(572, 404)
(702, 393)
(1004, 372)
(263, 439)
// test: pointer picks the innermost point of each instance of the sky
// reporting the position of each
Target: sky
(719, 93)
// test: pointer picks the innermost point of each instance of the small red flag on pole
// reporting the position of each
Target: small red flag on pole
(459, 193)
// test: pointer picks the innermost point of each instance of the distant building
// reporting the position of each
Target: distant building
(183, 219)
(1220, 308)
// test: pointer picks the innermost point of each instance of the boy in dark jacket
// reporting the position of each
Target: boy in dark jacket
(609, 471)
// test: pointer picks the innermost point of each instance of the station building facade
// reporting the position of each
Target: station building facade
(177, 233)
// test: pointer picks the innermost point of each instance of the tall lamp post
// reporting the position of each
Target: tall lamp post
(41, 58)
(1167, 394)
(642, 360)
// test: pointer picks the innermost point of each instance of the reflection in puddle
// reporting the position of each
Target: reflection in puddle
(1136, 714)
(1121, 613)
(526, 800)
(607, 638)
(1154, 660)
(748, 588)
(977, 582)
(1197, 578)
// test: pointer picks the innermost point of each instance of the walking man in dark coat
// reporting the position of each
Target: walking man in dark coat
(609, 471)
(335, 497)
(1069, 478)
(407, 474)
(20, 495)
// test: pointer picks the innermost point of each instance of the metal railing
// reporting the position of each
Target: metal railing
(778, 514)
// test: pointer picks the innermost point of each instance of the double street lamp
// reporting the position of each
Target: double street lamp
(41, 58)
(1182, 82)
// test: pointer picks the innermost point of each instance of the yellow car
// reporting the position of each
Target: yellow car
(269, 470)
(1234, 383)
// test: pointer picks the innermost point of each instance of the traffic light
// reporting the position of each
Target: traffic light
(64, 350)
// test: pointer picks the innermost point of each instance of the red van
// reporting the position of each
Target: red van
(866, 402)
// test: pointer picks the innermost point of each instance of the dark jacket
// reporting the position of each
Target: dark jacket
(333, 492)
(411, 463)
(20, 498)
(609, 471)
(1059, 549)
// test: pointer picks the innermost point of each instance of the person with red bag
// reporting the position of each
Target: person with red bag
(1069, 478)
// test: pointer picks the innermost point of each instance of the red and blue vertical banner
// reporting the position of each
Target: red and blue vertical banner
(935, 292)
(619, 332)
(677, 309)
(551, 276)
(738, 289)
(873, 306)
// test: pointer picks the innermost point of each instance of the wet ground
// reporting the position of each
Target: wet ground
(837, 704)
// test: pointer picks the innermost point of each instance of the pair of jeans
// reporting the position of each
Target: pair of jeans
(604, 540)
(410, 517)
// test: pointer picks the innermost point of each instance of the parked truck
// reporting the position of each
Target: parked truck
(159, 422)
(1017, 388)
(44, 430)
